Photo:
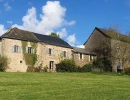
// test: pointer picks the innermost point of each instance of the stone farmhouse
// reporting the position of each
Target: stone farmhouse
(116, 46)
(25, 49)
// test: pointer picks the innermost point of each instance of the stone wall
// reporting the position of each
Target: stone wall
(123, 54)
(45, 58)
(94, 41)
(82, 62)
(16, 61)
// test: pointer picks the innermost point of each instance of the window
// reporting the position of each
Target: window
(50, 51)
(51, 65)
(80, 56)
(118, 50)
(16, 49)
(90, 58)
(64, 54)
(29, 50)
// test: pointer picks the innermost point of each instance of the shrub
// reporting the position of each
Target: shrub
(38, 68)
(45, 68)
(98, 65)
(102, 64)
(87, 68)
(3, 63)
(30, 69)
(66, 65)
(127, 71)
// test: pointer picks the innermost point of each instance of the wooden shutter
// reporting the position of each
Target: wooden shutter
(47, 51)
(63, 53)
(66, 54)
(12, 48)
(33, 50)
(52, 51)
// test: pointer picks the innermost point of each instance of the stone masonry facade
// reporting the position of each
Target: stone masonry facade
(16, 61)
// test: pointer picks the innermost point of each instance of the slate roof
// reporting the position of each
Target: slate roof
(52, 40)
(82, 50)
(19, 34)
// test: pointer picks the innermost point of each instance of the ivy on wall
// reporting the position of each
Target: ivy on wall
(30, 59)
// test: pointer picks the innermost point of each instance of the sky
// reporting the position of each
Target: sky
(73, 20)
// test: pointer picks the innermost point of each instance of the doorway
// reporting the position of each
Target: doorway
(51, 65)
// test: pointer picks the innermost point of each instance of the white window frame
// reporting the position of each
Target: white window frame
(30, 50)
(16, 49)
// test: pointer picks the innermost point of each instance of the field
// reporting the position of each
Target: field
(64, 86)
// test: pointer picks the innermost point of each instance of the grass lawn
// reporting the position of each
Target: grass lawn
(64, 86)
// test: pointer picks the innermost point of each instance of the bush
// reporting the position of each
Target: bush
(66, 65)
(3, 63)
(102, 64)
(85, 68)
(127, 71)
(30, 69)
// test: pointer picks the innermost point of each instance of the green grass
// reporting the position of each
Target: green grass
(64, 86)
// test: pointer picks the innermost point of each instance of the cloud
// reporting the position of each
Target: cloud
(71, 39)
(70, 23)
(62, 33)
(10, 22)
(7, 7)
(2, 29)
(80, 46)
(52, 18)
